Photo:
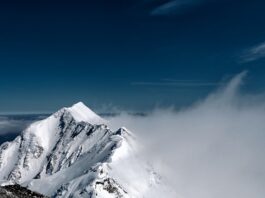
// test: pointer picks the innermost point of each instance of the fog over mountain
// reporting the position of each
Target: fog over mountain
(214, 148)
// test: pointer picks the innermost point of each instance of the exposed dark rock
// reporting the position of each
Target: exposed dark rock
(17, 191)
(111, 186)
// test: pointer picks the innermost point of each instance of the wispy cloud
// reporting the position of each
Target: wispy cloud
(177, 83)
(174, 7)
(254, 53)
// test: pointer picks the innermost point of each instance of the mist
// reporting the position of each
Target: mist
(212, 149)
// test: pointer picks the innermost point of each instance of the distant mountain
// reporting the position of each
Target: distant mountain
(73, 153)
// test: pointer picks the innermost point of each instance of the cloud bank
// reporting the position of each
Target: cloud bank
(8, 126)
(213, 149)
(13, 125)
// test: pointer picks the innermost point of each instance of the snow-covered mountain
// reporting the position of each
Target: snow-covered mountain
(73, 153)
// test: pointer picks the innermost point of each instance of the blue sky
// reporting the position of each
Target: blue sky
(135, 54)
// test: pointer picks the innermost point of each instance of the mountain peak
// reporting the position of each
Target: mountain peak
(69, 154)
(79, 105)
(81, 112)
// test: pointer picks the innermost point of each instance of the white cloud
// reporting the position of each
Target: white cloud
(254, 53)
(214, 148)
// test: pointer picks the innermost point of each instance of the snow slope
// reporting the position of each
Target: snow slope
(73, 153)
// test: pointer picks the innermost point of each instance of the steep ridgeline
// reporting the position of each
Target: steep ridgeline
(73, 153)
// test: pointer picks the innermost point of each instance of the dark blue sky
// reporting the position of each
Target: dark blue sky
(133, 54)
